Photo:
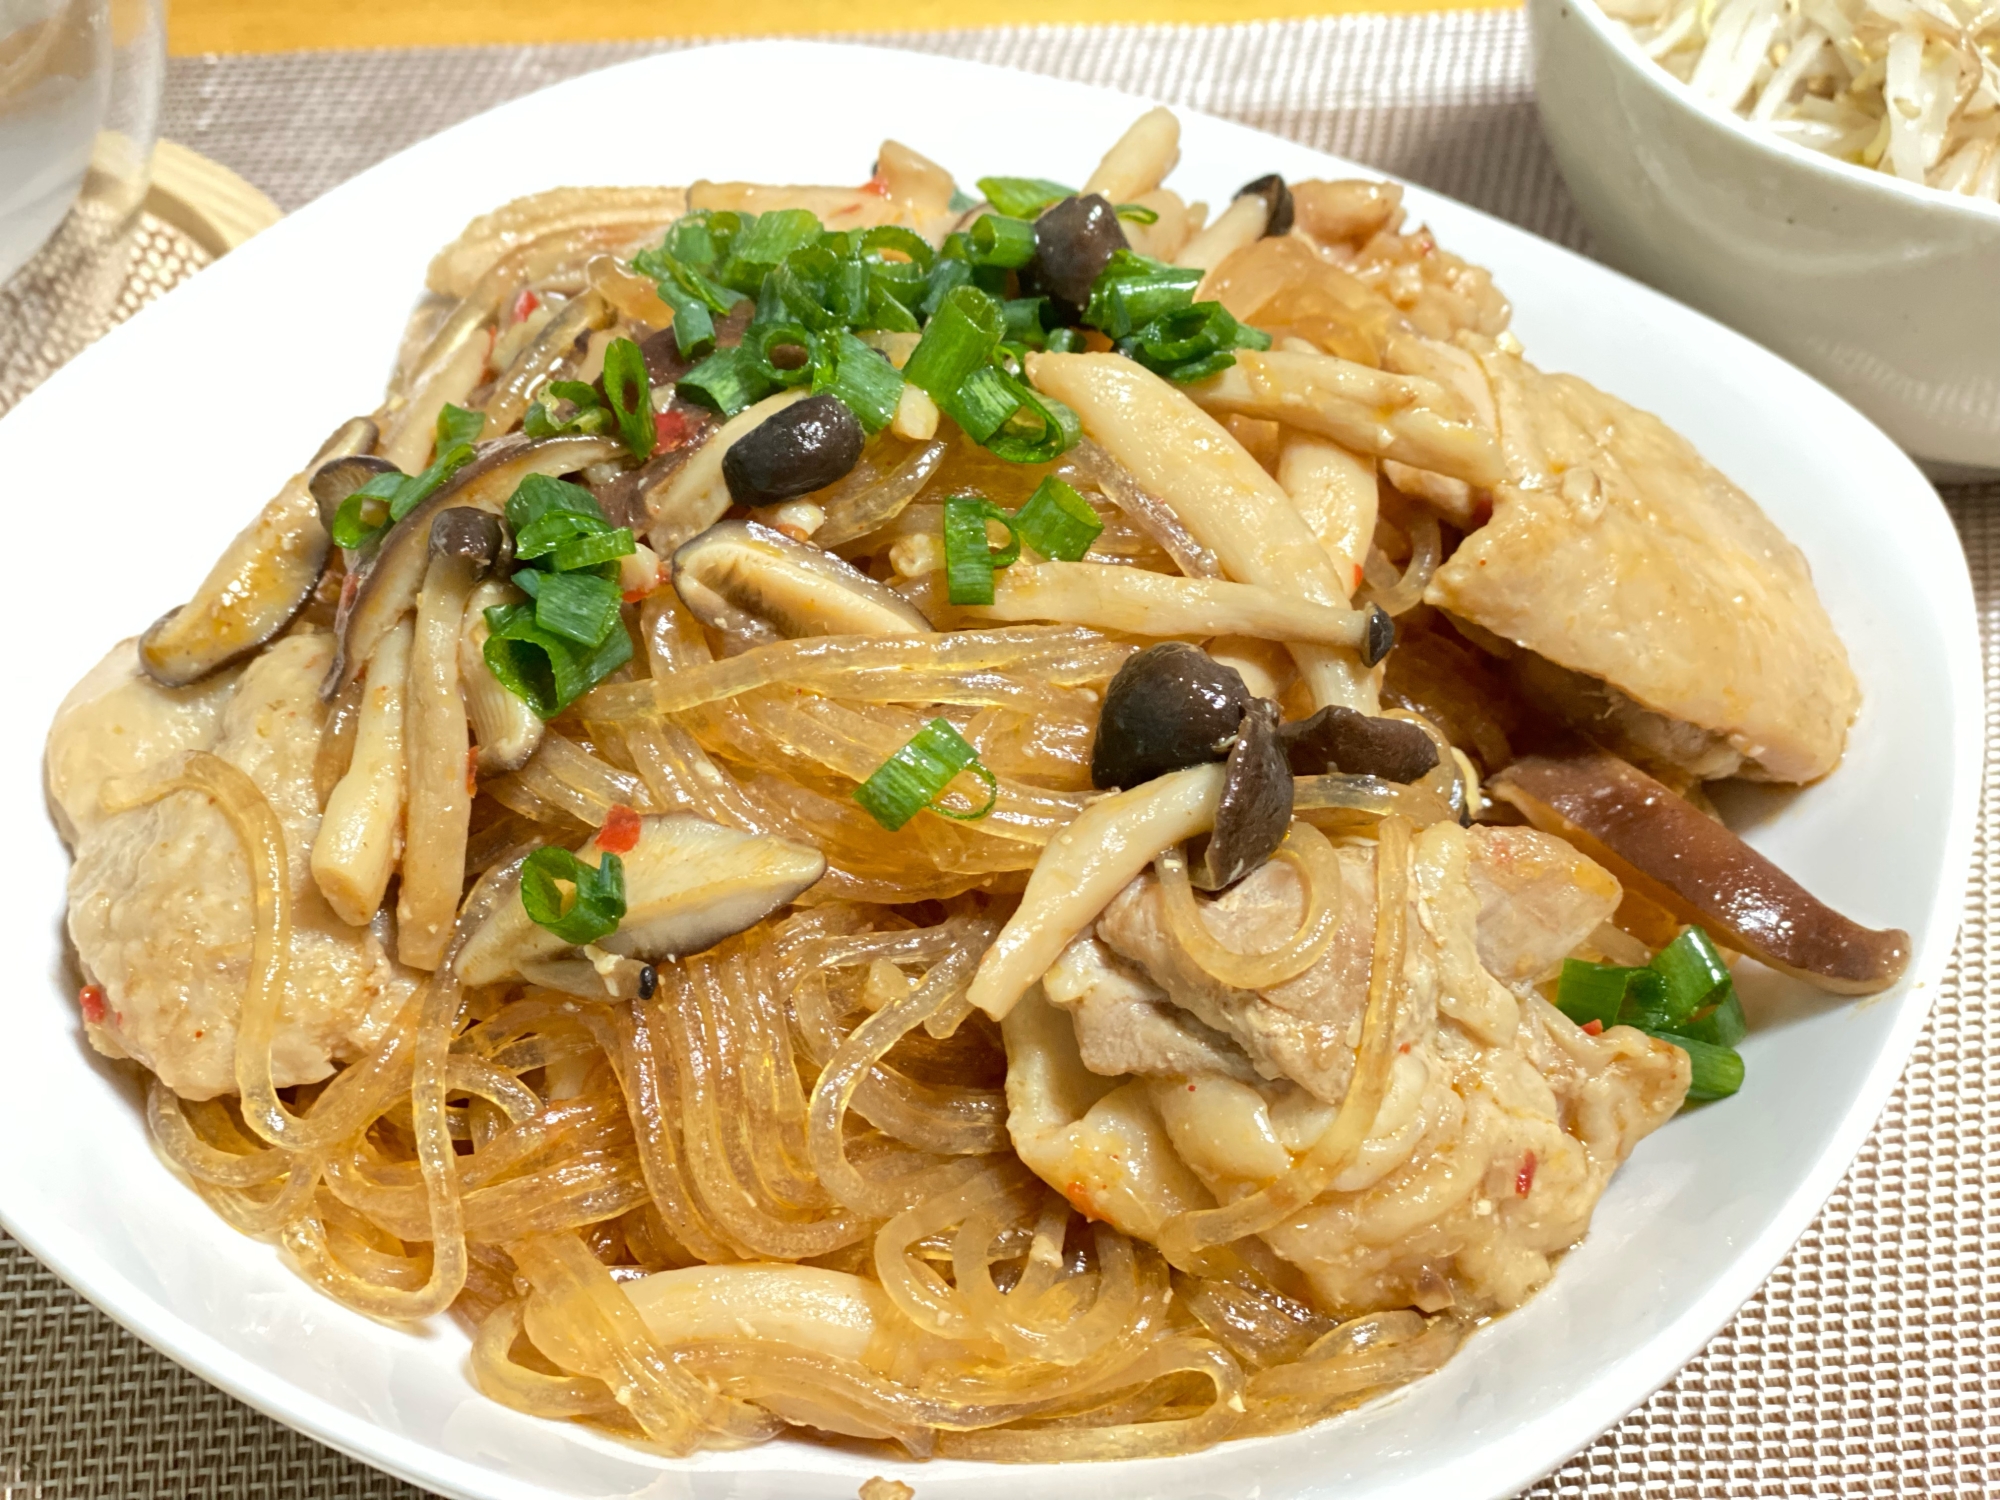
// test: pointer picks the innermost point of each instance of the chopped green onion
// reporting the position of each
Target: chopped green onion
(594, 550)
(982, 402)
(1041, 430)
(916, 776)
(364, 515)
(1593, 992)
(864, 379)
(628, 391)
(1721, 1025)
(540, 423)
(767, 240)
(456, 425)
(418, 488)
(895, 237)
(726, 382)
(961, 200)
(1134, 289)
(1693, 970)
(998, 240)
(694, 325)
(538, 495)
(1717, 1072)
(1684, 996)
(596, 903)
(1022, 319)
(1021, 197)
(888, 312)
(1138, 213)
(1064, 341)
(1057, 522)
(578, 393)
(959, 339)
(544, 671)
(542, 536)
(761, 344)
(579, 607)
(969, 558)
(947, 274)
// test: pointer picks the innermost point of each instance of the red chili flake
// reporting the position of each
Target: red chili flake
(1593, 1027)
(878, 185)
(524, 304)
(1524, 1179)
(1404, 1048)
(796, 533)
(671, 429)
(472, 772)
(349, 587)
(90, 1000)
(620, 831)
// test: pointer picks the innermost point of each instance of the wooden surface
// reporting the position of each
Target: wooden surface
(195, 26)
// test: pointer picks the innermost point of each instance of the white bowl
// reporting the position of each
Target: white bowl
(167, 434)
(1886, 290)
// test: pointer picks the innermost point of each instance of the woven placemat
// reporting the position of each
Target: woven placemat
(1865, 1366)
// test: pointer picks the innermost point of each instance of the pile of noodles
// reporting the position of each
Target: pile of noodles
(815, 1090)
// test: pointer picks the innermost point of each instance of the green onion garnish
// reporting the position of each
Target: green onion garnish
(959, 339)
(1137, 213)
(1057, 522)
(916, 776)
(1064, 341)
(543, 670)
(596, 904)
(456, 425)
(594, 550)
(1684, 996)
(864, 379)
(726, 382)
(1022, 197)
(538, 495)
(579, 607)
(628, 390)
(998, 240)
(1134, 289)
(1717, 1072)
(1041, 430)
(969, 558)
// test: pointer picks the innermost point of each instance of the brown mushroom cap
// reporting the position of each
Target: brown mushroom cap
(1669, 852)
(1255, 808)
(1338, 739)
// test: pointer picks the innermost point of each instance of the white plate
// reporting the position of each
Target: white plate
(139, 460)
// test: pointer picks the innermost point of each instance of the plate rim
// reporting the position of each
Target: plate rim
(1504, 1467)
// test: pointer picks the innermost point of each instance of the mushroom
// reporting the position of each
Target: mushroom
(333, 482)
(1278, 202)
(689, 884)
(1107, 845)
(1259, 210)
(1665, 849)
(803, 448)
(1074, 241)
(354, 852)
(1170, 706)
(388, 589)
(1255, 808)
(1340, 740)
(504, 728)
(262, 580)
(1409, 418)
(1218, 493)
(695, 496)
(1108, 596)
(465, 544)
(741, 568)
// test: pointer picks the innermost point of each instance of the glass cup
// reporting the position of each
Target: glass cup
(79, 111)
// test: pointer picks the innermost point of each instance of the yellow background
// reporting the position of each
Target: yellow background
(284, 25)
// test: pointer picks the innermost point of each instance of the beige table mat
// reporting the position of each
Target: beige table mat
(1865, 1367)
